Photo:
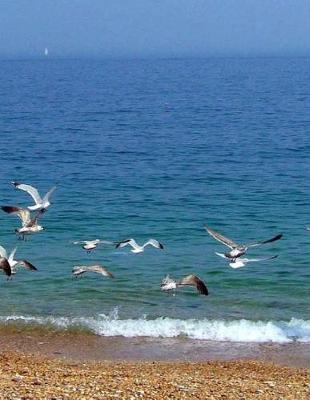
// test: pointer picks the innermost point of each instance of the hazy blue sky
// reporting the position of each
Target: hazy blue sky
(154, 27)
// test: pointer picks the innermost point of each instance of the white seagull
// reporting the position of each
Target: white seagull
(168, 284)
(29, 224)
(15, 263)
(90, 245)
(41, 203)
(136, 248)
(238, 250)
(241, 262)
(81, 269)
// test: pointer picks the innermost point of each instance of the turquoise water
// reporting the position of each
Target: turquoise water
(159, 148)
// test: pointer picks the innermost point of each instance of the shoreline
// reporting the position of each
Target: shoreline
(59, 365)
(87, 347)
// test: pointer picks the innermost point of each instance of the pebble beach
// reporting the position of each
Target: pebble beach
(29, 376)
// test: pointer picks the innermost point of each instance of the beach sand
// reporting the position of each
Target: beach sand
(54, 365)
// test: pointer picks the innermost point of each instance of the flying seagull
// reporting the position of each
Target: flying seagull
(29, 224)
(241, 262)
(90, 245)
(136, 248)
(81, 269)
(15, 263)
(40, 203)
(168, 284)
(238, 250)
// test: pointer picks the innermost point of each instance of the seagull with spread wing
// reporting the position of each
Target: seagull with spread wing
(41, 203)
(168, 284)
(242, 261)
(238, 250)
(136, 248)
(98, 269)
(29, 224)
(15, 263)
(90, 245)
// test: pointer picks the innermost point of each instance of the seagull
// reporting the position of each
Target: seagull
(40, 203)
(238, 250)
(168, 284)
(308, 228)
(5, 266)
(15, 263)
(81, 269)
(137, 248)
(89, 245)
(241, 262)
(29, 224)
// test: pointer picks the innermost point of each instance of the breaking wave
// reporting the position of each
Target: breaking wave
(295, 330)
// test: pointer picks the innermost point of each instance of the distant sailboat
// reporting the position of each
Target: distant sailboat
(46, 52)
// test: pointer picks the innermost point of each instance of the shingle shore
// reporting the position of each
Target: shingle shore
(26, 376)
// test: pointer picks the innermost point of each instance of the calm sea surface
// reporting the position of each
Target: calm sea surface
(159, 148)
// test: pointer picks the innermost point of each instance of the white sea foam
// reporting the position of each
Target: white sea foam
(215, 330)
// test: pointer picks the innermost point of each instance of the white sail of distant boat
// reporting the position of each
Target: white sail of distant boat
(46, 51)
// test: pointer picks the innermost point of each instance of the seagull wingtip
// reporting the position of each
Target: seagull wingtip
(7, 209)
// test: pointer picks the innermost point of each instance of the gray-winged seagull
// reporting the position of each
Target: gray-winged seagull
(41, 203)
(238, 250)
(242, 261)
(16, 263)
(29, 224)
(168, 284)
(90, 245)
(98, 269)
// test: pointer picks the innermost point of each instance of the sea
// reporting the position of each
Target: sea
(159, 148)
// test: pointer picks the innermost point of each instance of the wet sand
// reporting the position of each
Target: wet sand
(82, 346)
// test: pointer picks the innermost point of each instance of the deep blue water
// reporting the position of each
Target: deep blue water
(159, 148)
